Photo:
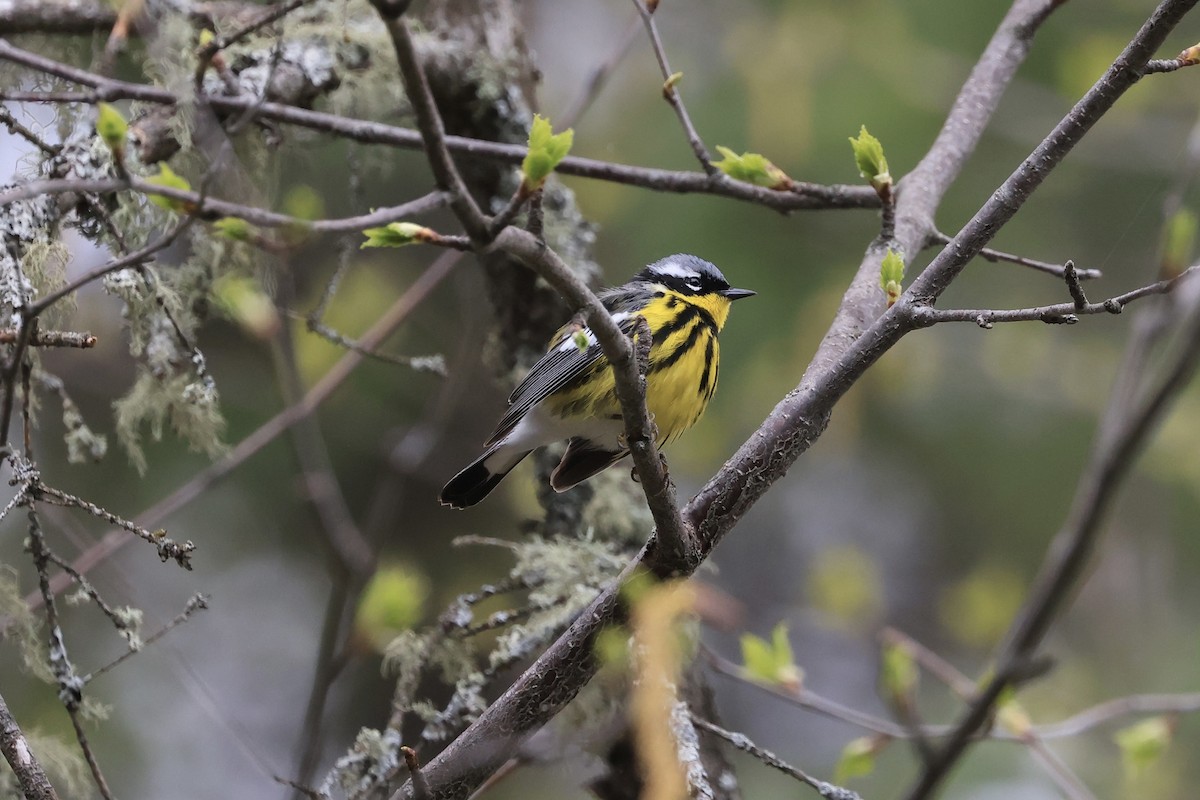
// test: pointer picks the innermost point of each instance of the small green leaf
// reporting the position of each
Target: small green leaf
(1143, 743)
(898, 672)
(891, 276)
(1011, 715)
(612, 647)
(752, 168)
(1179, 239)
(581, 340)
(393, 602)
(167, 178)
(233, 228)
(868, 156)
(771, 662)
(242, 299)
(111, 127)
(397, 234)
(304, 202)
(857, 759)
(844, 584)
(546, 150)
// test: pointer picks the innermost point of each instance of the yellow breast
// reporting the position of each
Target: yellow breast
(684, 360)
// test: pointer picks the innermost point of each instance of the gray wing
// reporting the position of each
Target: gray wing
(561, 364)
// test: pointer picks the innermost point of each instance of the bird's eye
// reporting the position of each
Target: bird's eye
(693, 284)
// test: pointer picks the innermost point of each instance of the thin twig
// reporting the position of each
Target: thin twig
(211, 208)
(198, 602)
(168, 548)
(671, 92)
(269, 15)
(420, 785)
(25, 133)
(88, 755)
(933, 663)
(80, 339)
(70, 685)
(135, 258)
(1071, 276)
(1063, 776)
(743, 743)
(429, 123)
(1086, 720)
(352, 557)
(995, 256)
(430, 363)
(1058, 313)
(596, 80)
(113, 616)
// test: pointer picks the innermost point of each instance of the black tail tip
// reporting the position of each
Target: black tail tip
(469, 486)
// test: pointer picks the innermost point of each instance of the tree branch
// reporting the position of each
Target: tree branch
(429, 123)
(1056, 314)
(844, 356)
(803, 196)
(25, 766)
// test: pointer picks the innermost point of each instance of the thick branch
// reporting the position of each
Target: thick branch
(30, 775)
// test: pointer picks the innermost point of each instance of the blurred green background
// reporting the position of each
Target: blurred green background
(927, 505)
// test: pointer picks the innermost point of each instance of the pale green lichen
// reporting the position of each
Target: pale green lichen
(24, 629)
(371, 762)
(83, 444)
(618, 511)
(164, 308)
(569, 572)
(189, 405)
(130, 625)
(403, 659)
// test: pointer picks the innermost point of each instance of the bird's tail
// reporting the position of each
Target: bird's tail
(476, 481)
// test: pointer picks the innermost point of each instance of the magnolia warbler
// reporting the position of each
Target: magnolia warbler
(570, 393)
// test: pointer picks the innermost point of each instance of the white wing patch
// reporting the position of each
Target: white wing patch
(570, 344)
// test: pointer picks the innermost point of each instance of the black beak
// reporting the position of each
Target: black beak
(737, 294)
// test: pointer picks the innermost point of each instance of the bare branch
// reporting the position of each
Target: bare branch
(989, 254)
(743, 743)
(429, 122)
(1057, 314)
(671, 92)
(210, 208)
(802, 196)
(420, 785)
(198, 602)
(1186, 703)
(41, 338)
(25, 766)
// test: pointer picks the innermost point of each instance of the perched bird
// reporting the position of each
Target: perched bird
(570, 392)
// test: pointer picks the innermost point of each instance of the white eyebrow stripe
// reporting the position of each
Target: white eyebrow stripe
(674, 270)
